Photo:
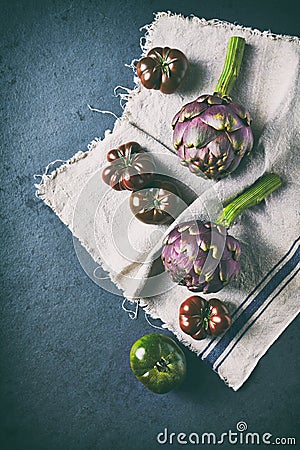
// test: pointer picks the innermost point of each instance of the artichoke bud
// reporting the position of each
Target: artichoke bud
(198, 124)
(204, 247)
(211, 257)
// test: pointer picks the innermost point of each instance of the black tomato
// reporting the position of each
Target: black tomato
(163, 69)
(199, 317)
(158, 204)
(130, 167)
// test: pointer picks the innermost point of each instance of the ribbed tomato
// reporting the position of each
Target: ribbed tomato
(163, 69)
(158, 204)
(130, 168)
(199, 317)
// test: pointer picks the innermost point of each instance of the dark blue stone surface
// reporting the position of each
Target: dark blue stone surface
(66, 383)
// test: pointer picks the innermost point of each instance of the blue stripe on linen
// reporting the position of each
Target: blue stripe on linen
(244, 332)
(266, 276)
(256, 303)
(252, 292)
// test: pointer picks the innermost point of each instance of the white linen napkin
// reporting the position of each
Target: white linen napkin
(101, 219)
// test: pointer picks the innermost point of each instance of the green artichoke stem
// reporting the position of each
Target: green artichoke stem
(232, 65)
(250, 197)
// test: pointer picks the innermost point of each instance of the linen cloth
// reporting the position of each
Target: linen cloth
(268, 85)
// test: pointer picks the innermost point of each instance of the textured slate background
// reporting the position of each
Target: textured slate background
(65, 377)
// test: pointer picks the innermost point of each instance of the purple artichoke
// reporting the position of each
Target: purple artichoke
(203, 256)
(212, 133)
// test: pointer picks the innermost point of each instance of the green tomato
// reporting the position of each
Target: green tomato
(158, 362)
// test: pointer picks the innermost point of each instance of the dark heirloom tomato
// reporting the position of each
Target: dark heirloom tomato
(130, 167)
(158, 362)
(159, 203)
(199, 317)
(162, 68)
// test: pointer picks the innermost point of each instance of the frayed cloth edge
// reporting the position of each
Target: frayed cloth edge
(46, 177)
(149, 28)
